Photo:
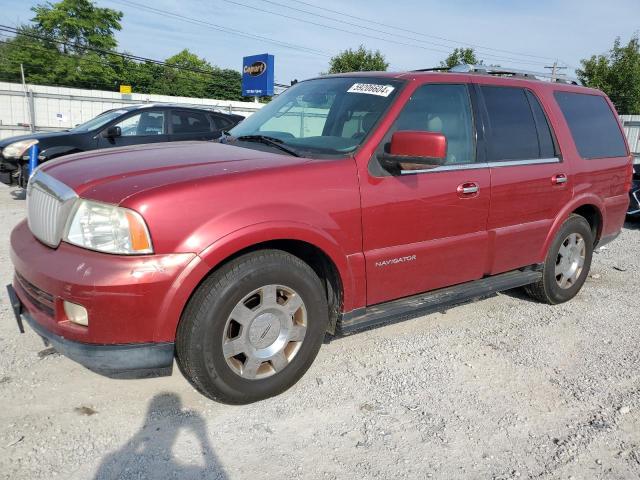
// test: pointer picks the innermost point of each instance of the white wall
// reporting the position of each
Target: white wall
(631, 125)
(59, 108)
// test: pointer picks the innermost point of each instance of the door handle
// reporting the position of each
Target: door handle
(559, 179)
(468, 188)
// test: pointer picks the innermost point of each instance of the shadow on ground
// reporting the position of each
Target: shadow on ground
(149, 454)
(19, 194)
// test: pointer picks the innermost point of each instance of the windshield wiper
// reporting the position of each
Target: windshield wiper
(271, 141)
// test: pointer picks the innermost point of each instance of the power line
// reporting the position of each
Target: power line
(386, 32)
(127, 56)
(103, 61)
(421, 33)
(360, 34)
(221, 28)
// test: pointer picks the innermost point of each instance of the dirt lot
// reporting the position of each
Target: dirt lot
(501, 388)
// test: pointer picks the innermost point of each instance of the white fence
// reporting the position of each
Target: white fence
(631, 125)
(59, 108)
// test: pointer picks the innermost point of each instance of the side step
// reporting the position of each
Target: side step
(435, 300)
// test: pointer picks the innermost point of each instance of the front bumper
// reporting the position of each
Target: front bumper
(133, 302)
(140, 359)
(7, 171)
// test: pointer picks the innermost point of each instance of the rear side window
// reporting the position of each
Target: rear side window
(221, 123)
(189, 122)
(593, 125)
(513, 134)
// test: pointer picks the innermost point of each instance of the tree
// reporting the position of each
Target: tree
(460, 56)
(617, 73)
(78, 23)
(72, 43)
(360, 60)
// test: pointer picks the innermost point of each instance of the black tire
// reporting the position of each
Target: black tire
(547, 290)
(202, 326)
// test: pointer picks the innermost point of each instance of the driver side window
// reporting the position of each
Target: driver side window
(441, 108)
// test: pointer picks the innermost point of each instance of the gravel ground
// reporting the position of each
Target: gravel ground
(501, 388)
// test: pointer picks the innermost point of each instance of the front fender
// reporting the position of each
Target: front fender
(349, 267)
(55, 152)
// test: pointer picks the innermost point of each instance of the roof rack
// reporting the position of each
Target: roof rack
(500, 71)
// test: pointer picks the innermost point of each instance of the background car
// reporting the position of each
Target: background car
(130, 125)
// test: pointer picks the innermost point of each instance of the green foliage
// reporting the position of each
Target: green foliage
(79, 23)
(617, 73)
(69, 44)
(460, 56)
(360, 60)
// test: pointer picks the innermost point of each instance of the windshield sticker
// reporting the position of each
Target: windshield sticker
(371, 89)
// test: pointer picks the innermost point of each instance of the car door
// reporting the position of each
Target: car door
(426, 229)
(529, 181)
(191, 125)
(141, 126)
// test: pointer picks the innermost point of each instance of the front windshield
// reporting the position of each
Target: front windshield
(325, 115)
(98, 121)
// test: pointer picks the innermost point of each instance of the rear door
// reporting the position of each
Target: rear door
(530, 183)
(192, 125)
(141, 126)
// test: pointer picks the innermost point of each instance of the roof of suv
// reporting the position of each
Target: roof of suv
(508, 75)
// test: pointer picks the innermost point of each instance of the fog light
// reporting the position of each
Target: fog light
(76, 313)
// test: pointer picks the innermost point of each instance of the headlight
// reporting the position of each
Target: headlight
(108, 228)
(16, 150)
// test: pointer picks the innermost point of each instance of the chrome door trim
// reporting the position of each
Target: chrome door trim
(447, 168)
(477, 165)
(514, 163)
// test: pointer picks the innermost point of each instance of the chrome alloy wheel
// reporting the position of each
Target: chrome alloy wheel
(264, 332)
(570, 261)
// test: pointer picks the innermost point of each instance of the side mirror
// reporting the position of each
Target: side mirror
(112, 132)
(409, 149)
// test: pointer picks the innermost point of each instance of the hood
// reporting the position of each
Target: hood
(38, 136)
(112, 175)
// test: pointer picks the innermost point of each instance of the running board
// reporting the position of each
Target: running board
(417, 305)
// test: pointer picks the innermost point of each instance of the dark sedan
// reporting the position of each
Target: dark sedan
(130, 125)
(634, 201)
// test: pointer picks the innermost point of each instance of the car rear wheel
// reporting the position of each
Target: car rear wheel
(567, 264)
(253, 328)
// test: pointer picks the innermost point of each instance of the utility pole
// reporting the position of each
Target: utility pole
(27, 100)
(554, 71)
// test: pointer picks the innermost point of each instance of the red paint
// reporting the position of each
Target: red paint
(419, 144)
(388, 236)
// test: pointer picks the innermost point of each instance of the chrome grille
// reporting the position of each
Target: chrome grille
(49, 203)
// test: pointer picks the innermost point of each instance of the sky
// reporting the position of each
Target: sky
(412, 34)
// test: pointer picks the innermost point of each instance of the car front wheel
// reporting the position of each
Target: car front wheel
(253, 328)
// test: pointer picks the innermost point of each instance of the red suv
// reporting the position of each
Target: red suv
(345, 202)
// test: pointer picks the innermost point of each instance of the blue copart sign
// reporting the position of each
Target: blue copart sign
(257, 75)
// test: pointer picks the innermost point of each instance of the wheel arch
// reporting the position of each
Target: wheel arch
(317, 249)
(588, 206)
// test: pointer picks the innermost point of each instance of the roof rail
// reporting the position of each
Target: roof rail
(500, 71)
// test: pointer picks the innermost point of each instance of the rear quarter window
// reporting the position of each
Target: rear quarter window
(593, 125)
